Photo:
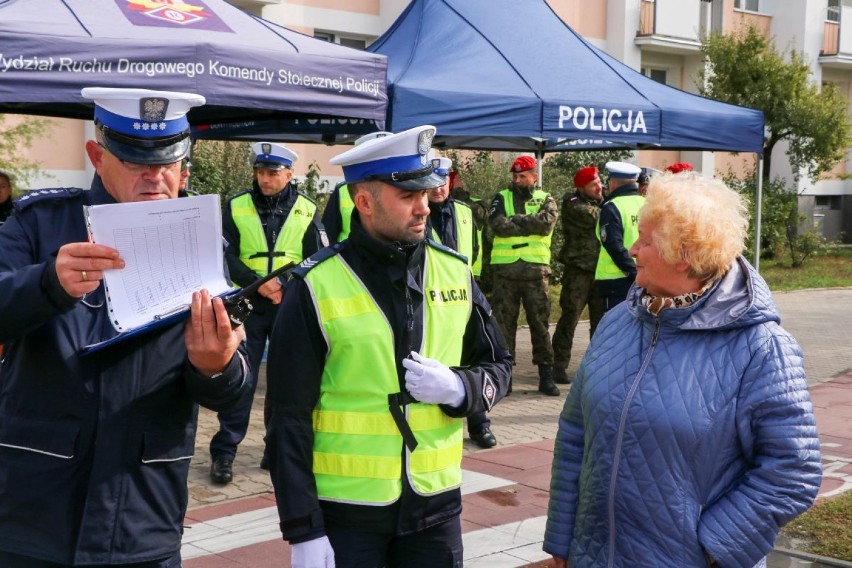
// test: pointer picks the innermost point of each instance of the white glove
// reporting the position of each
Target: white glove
(315, 553)
(431, 381)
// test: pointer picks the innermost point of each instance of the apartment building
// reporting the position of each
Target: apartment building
(661, 38)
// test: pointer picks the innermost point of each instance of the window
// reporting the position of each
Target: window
(827, 202)
(356, 43)
(747, 5)
(658, 75)
(833, 11)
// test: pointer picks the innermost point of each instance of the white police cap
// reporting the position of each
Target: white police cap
(623, 170)
(143, 126)
(443, 167)
(372, 136)
(271, 156)
(401, 160)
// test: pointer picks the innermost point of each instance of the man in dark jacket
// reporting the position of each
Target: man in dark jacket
(265, 227)
(618, 229)
(452, 223)
(579, 254)
(383, 343)
(95, 448)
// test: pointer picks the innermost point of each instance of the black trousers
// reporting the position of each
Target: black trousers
(439, 546)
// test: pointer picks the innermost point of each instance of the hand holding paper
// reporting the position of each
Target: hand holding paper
(80, 266)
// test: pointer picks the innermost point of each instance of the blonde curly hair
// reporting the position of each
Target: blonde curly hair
(697, 220)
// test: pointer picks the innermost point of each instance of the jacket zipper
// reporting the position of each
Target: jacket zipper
(619, 442)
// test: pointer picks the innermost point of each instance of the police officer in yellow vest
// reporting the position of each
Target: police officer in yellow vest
(523, 218)
(618, 229)
(452, 224)
(337, 215)
(265, 227)
(382, 345)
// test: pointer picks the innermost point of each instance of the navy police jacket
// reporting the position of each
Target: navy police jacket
(95, 449)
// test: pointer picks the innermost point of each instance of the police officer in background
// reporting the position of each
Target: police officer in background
(337, 215)
(382, 345)
(95, 449)
(579, 254)
(265, 227)
(452, 224)
(523, 218)
(618, 229)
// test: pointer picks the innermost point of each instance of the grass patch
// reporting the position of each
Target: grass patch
(826, 528)
(828, 270)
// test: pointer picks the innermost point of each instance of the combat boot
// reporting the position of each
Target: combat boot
(560, 377)
(545, 381)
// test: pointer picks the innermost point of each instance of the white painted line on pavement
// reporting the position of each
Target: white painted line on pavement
(254, 527)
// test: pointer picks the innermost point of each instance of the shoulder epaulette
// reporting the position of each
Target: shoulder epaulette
(446, 249)
(42, 195)
(321, 255)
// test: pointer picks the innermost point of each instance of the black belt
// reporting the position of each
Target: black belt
(395, 402)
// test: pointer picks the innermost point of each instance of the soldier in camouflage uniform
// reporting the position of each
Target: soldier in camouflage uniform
(579, 254)
(522, 219)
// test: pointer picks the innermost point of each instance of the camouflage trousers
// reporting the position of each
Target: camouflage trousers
(578, 291)
(508, 296)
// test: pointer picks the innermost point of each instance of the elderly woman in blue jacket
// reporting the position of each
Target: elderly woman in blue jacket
(688, 437)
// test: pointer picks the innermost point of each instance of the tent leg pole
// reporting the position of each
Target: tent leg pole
(539, 158)
(758, 202)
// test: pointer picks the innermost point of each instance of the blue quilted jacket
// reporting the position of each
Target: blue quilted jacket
(683, 435)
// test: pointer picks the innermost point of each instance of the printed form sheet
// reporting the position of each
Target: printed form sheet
(170, 247)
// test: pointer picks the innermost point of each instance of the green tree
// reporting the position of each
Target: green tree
(314, 186)
(16, 137)
(746, 69)
(220, 167)
(782, 226)
(483, 172)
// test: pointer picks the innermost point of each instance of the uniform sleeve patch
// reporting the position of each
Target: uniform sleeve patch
(489, 391)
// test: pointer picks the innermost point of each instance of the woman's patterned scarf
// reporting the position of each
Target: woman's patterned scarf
(656, 304)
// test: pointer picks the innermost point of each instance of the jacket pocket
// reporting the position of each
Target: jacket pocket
(168, 446)
(51, 438)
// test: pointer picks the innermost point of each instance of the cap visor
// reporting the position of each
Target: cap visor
(430, 181)
(153, 156)
(275, 166)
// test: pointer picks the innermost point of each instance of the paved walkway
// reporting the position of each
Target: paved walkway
(506, 488)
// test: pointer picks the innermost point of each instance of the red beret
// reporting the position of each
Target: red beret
(680, 167)
(584, 176)
(523, 163)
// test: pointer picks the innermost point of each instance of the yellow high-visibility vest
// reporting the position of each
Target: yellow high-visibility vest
(359, 455)
(534, 249)
(288, 245)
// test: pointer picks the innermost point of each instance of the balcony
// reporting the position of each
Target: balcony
(671, 26)
(836, 49)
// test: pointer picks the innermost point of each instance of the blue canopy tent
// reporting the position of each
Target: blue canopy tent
(249, 69)
(459, 65)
